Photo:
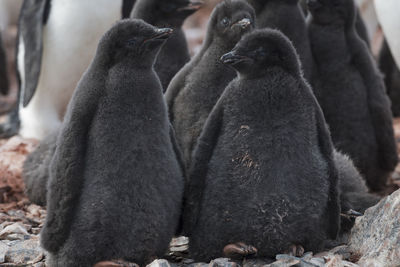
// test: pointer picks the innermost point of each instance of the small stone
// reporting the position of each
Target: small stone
(179, 241)
(179, 249)
(159, 263)
(318, 262)
(15, 228)
(23, 252)
(222, 262)
(3, 250)
(35, 230)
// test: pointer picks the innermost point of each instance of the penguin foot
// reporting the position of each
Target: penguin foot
(295, 250)
(239, 250)
(115, 263)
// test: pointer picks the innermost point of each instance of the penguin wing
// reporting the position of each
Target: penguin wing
(378, 103)
(68, 163)
(177, 150)
(199, 166)
(327, 151)
(34, 14)
(3, 70)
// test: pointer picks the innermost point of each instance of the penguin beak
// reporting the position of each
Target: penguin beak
(244, 23)
(232, 58)
(192, 6)
(161, 35)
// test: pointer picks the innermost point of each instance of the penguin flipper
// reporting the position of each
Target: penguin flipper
(326, 147)
(34, 14)
(4, 85)
(378, 103)
(199, 166)
(67, 165)
(177, 150)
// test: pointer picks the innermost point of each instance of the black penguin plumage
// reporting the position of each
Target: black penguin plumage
(264, 147)
(124, 195)
(351, 92)
(288, 17)
(196, 88)
(175, 52)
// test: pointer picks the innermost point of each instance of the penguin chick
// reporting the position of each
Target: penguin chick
(172, 13)
(263, 171)
(35, 171)
(115, 181)
(351, 92)
(288, 17)
(196, 88)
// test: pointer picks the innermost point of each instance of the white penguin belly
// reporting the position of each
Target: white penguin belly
(70, 38)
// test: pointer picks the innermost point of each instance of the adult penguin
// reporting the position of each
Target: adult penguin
(288, 17)
(196, 88)
(172, 13)
(56, 41)
(263, 171)
(116, 185)
(351, 92)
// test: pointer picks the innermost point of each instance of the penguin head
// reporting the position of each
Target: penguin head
(336, 12)
(230, 20)
(260, 51)
(134, 41)
(162, 13)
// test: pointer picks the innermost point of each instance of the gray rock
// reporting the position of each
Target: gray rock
(24, 251)
(375, 236)
(15, 228)
(159, 263)
(3, 250)
(222, 262)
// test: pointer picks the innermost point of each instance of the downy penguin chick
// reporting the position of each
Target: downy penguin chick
(263, 171)
(116, 186)
(351, 92)
(196, 88)
(172, 13)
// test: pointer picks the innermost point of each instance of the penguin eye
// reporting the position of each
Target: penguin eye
(225, 22)
(132, 42)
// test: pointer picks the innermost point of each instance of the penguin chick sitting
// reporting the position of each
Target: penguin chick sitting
(263, 171)
(116, 186)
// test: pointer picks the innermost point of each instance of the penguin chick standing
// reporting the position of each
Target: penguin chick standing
(263, 171)
(288, 17)
(351, 91)
(172, 13)
(56, 41)
(196, 88)
(115, 184)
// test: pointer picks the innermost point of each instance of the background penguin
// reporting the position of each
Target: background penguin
(288, 17)
(35, 171)
(3, 69)
(351, 92)
(392, 77)
(56, 41)
(115, 180)
(172, 13)
(264, 147)
(196, 88)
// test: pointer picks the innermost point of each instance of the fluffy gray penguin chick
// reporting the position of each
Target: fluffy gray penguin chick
(172, 13)
(351, 92)
(116, 186)
(263, 171)
(196, 88)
